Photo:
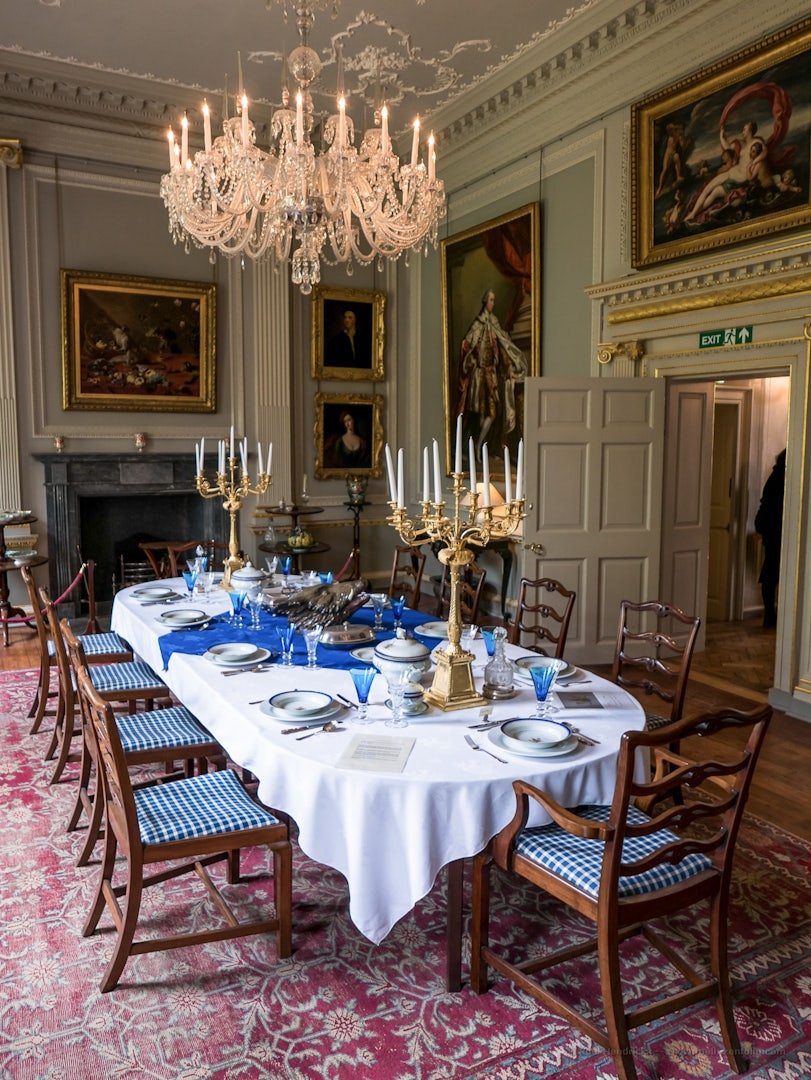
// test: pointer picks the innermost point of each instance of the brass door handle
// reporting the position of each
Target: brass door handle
(536, 549)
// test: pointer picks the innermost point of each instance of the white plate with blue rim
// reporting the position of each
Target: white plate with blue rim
(153, 592)
(513, 746)
(564, 669)
(236, 654)
(301, 704)
(183, 617)
(432, 629)
(366, 654)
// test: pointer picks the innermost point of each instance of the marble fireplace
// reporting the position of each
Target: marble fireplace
(104, 505)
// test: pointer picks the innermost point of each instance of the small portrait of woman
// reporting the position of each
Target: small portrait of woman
(348, 434)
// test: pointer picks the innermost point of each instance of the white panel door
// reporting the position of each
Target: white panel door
(687, 498)
(594, 482)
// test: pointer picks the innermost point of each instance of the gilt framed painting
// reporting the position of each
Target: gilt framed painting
(347, 334)
(722, 157)
(138, 344)
(348, 435)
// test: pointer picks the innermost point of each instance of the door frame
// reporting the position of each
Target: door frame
(741, 398)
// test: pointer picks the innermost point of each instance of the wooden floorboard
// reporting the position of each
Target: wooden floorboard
(734, 670)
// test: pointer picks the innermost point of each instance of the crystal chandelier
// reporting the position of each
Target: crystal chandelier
(346, 204)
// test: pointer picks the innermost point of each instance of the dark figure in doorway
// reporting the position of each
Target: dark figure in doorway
(769, 525)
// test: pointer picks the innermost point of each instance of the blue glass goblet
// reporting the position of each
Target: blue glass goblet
(237, 600)
(363, 679)
(190, 577)
(284, 565)
(397, 610)
(286, 635)
(489, 641)
(543, 675)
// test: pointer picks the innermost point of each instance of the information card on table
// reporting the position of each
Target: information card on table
(376, 753)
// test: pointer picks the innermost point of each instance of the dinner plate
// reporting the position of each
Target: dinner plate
(432, 629)
(283, 716)
(301, 704)
(512, 746)
(257, 656)
(183, 617)
(535, 732)
(524, 663)
(366, 654)
(153, 592)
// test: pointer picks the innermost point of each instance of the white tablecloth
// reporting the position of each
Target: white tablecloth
(388, 834)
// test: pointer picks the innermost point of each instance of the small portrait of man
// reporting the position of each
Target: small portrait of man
(347, 334)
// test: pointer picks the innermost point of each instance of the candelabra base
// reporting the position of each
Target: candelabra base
(453, 686)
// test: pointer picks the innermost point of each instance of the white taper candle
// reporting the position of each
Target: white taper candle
(519, 472)
(437, 475)
(415, 144)
(390, 472)
(471, 456)
(457, 466)
(508, 480)
(207, 127)
(426, 491)
(400, 480)
(485, 475)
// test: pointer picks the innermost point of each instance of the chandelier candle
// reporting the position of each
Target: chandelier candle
(465, 527)
(231, 488)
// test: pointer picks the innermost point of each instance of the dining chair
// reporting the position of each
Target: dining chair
(644, 857)
(471, 584)
(99, 648)
(129, 682)
(406, 574)
(162, 736)
(654, 650)
(165, 556)
(188, 824)
(539, 619)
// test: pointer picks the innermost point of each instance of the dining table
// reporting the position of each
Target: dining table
(387, 807)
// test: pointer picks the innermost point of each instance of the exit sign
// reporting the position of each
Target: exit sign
(731, 335)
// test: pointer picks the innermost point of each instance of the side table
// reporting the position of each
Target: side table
(295, 553)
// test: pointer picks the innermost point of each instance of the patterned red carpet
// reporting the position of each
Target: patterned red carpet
(342, 1007)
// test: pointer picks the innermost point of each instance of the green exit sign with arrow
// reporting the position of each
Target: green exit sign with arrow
(731, 335)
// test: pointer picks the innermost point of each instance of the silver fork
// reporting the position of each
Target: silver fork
(475, 746)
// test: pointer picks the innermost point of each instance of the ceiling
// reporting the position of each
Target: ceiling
(418, 55)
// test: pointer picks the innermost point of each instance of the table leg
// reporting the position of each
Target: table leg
(453, 928)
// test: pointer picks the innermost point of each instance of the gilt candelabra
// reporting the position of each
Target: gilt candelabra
(232, 485)
(473, 523)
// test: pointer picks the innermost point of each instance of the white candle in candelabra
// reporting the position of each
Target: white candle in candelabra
(171, 137)
(342, 123)
(471, 456)
(400, 480)
(485, 476)
(431, 158)
(244, 119)
(259, 464)
(184, 151)
(299, 119)
(221, 458)
(519, 472)
(243, 458)
(207, 127)
(304, 484)
(270, 456)
(415, 144)
(390, 472)
(457, 467)
(197, 458)
(426, 491)
(437, 475)
(245, 449)
(231, 446)
(508, 480)
(384, 130)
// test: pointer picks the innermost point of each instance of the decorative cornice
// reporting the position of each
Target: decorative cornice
(11, 153)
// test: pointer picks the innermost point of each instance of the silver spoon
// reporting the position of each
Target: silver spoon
(329, 726)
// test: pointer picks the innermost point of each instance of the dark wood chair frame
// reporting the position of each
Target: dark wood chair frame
(471, 586)
(122, 837)
(538, 618)
(713, 795)
(407, 569)
(164, 555)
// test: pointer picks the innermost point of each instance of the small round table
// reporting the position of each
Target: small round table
(283, 548)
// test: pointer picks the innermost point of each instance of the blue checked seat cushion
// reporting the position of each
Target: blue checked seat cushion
(579, 862)
(135, 675)
(160, 729)
(98, 644)
(653, 721)
(201, 805)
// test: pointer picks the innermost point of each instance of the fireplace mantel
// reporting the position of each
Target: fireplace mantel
(69, 478)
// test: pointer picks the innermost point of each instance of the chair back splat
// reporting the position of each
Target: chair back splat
(188, 824)
(543, 615)
(664, 844)
(652, 658)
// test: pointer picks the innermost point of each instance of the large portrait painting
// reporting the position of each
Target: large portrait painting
(142, 344)
(491, 328)
(348, 332)
(348, 435)
(723, 156)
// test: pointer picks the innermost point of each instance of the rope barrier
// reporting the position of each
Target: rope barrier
(65, 594)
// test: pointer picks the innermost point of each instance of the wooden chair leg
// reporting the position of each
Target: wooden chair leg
(480, 922)
(105, 876)
(613, 1005)
(282, 891)
(720, 969)
(64, 738)
(126, 929)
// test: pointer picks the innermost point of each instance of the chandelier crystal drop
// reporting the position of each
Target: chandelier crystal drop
(347, 204)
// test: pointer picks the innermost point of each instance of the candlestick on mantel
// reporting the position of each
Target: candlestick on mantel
(453, 686)
(231, 488)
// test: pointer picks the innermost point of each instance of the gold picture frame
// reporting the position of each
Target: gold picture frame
(356, 356)
(348, 435)
(722, 157)
(137, 343)
(500, 257)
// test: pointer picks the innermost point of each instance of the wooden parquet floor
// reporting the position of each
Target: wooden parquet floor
(740, 654)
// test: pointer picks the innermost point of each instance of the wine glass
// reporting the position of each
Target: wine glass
(378, 603)
(488, 637)
(397, 682)
(397, 610)
(190, 577)
(285, 563)
(363, 679)
(286, 635)
(311, 638)
(469, 631)
(255, 602)
(543, 675)
(237, 600)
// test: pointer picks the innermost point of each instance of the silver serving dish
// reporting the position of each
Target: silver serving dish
(347, 635)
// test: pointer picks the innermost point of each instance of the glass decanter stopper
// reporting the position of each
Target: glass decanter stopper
(498, 674)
